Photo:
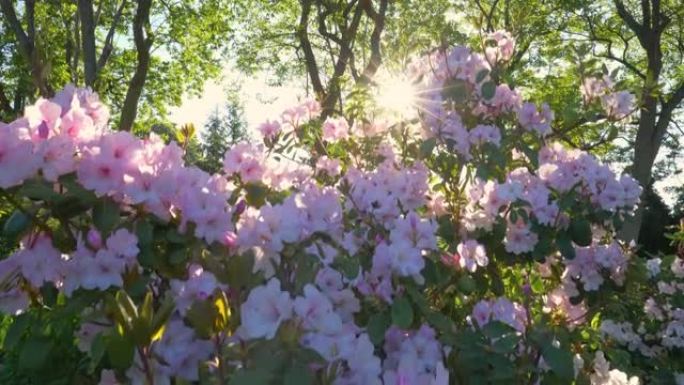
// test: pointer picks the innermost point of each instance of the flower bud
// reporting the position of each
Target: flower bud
(229, 239)
(240, 207)
(94, 239)
(527, 289)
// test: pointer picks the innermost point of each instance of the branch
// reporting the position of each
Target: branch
(629, 19)
(609, 49)
(309, 56)
(25, 44)
(379, 25)
(334, 89)
(143, 43)
(666, 110)
(108, 45)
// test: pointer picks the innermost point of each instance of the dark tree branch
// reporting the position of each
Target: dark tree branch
(666, 109)
(143, 42)
(334, 86)
(30, 20)
(629, 18)
(25, 45)
(109, 40)
(309, 56)
(85, 11)
(609, 48)
(378, 26)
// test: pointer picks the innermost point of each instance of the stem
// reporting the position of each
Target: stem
(146, 366)
(221, 374)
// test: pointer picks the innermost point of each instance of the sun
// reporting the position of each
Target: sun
(396, 95)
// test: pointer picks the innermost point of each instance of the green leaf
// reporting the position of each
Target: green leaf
(34, 353)
(377, 326)
(531, 154)
(481, 75)
(256, 194)
(120, 351)
(297, 375)
(145, 232)
(565, 246)
(178, 256)
(559, 360)
(496, 329)
(161, 316)
(97, 351)
(38, 190)
(402, 313)
(426, 147)
(15, 331)
(537, 285)
(506, 344)
(456, 90)
(69, 206)
(251, 377)
(105, 215)
(488, 90)
(467, 284)
(16, 224)
(580, 230)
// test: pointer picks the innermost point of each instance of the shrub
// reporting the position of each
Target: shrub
(457, 246)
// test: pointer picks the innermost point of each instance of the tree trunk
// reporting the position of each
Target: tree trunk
(143, 43)
(645, 150)
(85, 11)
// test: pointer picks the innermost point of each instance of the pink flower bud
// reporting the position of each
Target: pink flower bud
(94, 239)
(229, 239)
(240, 207)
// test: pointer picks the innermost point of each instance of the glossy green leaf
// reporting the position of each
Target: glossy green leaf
(402, 313)
(377, 326)
(488, 90)
(35, 353)
(580, 230)
(16, 224)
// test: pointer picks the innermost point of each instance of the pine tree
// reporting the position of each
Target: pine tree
(222, 130)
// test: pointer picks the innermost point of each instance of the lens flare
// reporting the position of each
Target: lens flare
(396, 95)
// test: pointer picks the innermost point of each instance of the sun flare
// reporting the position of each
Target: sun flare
(396, 95)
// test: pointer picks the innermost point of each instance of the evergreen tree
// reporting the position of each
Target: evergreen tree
(222, 130)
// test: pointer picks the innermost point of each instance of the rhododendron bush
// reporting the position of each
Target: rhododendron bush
(458, 247)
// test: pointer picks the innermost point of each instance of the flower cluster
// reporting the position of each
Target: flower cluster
(616, 104)
(502, 310)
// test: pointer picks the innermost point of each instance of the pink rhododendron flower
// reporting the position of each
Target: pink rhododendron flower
(269, 129)
(16, 160)
(504, 44)
(335, 129)
(471, 255)
(265, 309)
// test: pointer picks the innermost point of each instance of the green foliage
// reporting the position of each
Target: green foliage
(190, 39)
(39, 348)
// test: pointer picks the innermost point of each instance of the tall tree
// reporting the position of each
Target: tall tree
(337, 44)
(111, 46)
(646, 38)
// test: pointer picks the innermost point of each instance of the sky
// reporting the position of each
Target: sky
(260, 100)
